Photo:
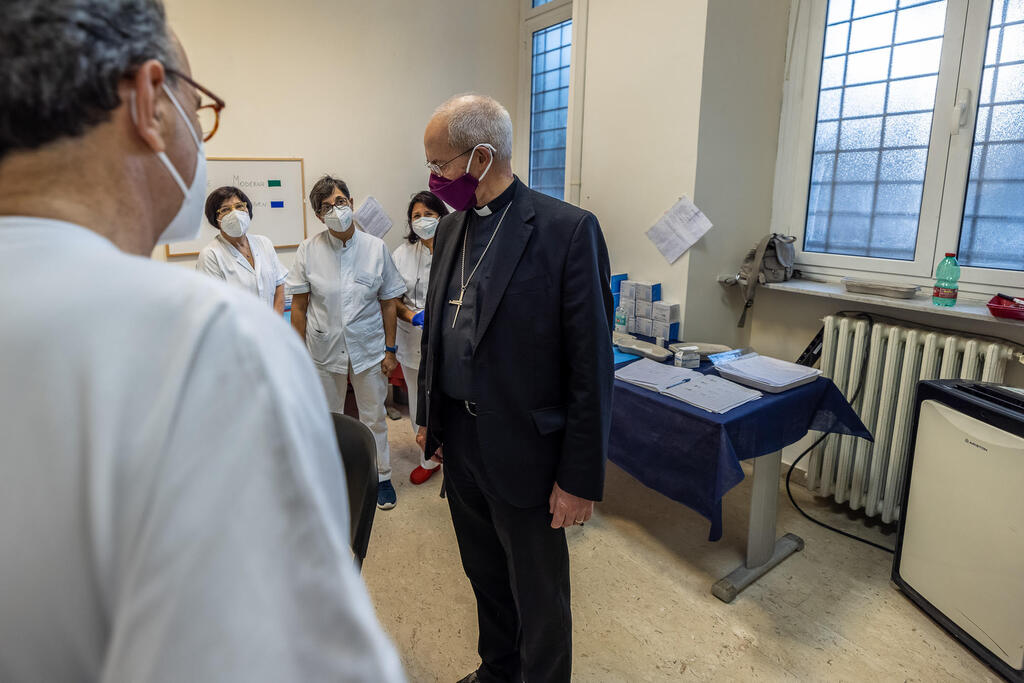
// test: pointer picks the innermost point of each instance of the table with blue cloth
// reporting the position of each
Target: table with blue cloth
(693, 456)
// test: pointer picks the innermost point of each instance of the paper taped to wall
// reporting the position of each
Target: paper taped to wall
(372, 219)
(679, 229)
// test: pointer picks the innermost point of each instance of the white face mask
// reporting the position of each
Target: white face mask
(186, 223)
(236, 223)
(425, 227)
(339, 218)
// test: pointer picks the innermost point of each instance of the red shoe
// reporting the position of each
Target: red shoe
(421, 474)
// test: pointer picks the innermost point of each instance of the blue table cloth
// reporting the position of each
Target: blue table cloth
(693, 456)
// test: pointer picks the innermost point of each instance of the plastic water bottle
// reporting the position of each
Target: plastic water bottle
(620, 319)
(946, 277)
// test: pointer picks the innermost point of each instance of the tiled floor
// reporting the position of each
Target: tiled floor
(643, 610)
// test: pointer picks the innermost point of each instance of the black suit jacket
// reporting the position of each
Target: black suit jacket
(542, 359)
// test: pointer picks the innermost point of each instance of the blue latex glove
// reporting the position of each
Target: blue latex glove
(417, 320)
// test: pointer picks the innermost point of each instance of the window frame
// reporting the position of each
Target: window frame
(537, 19)
(949, 151)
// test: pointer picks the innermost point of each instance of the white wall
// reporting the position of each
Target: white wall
(641, 113)
(346, 84)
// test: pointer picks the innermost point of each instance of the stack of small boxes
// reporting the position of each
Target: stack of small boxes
(646, 314)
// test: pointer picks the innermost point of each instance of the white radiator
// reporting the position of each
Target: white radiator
(870, 476)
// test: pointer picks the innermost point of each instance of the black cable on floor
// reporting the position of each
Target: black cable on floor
(789, 474)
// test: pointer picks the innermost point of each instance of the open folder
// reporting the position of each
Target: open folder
(707, 392)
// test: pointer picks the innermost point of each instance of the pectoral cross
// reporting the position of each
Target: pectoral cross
(458, 306)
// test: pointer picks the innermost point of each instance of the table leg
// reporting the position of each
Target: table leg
(763, 550)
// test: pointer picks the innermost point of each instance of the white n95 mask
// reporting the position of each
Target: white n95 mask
(187, 222)
(339, 218)
(425, 227)
(236, 223)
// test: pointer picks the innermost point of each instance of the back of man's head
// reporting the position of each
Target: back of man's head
(61, 62)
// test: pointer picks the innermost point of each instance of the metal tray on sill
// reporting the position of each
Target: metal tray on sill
(886, 289)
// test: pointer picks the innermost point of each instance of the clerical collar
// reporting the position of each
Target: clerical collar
(499, 202)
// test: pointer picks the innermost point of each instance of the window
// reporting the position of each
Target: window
(549, 107)
(538, 3)
(878, 170)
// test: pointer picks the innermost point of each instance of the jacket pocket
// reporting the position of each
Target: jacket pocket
(549, 420)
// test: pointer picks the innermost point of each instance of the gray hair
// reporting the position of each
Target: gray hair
(61, 62)
(475, 119)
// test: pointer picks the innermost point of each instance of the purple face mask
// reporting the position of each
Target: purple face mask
(460, 194)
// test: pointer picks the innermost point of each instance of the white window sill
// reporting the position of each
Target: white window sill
(966, 307)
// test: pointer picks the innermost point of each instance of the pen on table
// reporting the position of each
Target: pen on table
(1019, 302)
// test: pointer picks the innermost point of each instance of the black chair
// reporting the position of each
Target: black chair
(359, 455)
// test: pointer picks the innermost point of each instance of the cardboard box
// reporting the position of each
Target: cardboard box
(642, 290)
(630, 306)
(668, 331)
(631, 325)
(627, 290)
(644, 309)
(615, 300)
(664, 312)
(644, 326)
(617, 282)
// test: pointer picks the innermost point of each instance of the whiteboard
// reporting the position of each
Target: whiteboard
(274, 185)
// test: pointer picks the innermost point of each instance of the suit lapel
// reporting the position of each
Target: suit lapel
(508, 247)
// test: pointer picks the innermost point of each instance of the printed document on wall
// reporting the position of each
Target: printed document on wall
(679, 229)
(372, 218)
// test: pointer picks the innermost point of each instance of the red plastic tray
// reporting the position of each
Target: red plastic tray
(1001, 308)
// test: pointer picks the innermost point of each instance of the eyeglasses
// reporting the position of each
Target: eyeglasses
(209, 114)
(225, 210)
(436, 169)
(327, 206)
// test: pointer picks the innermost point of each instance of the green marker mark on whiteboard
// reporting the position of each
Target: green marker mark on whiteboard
(273, 183)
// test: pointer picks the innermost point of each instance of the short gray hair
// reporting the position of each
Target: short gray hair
(61, 62)
(475, 119)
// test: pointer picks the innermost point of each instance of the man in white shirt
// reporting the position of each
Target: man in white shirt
(344, 288)
(172, 504)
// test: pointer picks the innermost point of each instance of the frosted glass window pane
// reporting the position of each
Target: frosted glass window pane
(992, 231)
(835, 39)
(857, 166)
(861, 133)
(916, 59)
(864, 100)
(865, 67)
(884, 94)
(872, 32)
(904, 164)
(915, 94)
(924, 21)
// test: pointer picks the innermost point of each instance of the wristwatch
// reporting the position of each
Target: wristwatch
(391, 349)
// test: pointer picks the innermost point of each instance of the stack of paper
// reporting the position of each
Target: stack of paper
(713, 394)
(655, 376)
(766, 373)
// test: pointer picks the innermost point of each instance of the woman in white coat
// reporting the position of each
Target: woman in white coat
(412, 258)
(247, 261)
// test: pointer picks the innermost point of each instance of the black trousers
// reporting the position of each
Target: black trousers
(517, 564)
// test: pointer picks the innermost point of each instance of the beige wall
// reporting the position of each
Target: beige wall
(346, 84)
(640, 119)
(740, 105)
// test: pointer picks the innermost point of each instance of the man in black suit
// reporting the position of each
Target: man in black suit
(517, 384)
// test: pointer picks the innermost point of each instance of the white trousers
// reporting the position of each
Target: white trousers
(371, 388)
(412, 384)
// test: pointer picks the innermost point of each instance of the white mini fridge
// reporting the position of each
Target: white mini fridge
(960, 547)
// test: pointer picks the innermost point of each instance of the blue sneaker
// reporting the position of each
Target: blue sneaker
(386, 496)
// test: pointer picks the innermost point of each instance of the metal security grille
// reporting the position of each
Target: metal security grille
(879, 74)
(549, 108)
(992, 233)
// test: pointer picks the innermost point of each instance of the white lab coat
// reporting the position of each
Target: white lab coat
(346, 284)
(413, 264)
(172, 504)
(220, 259)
